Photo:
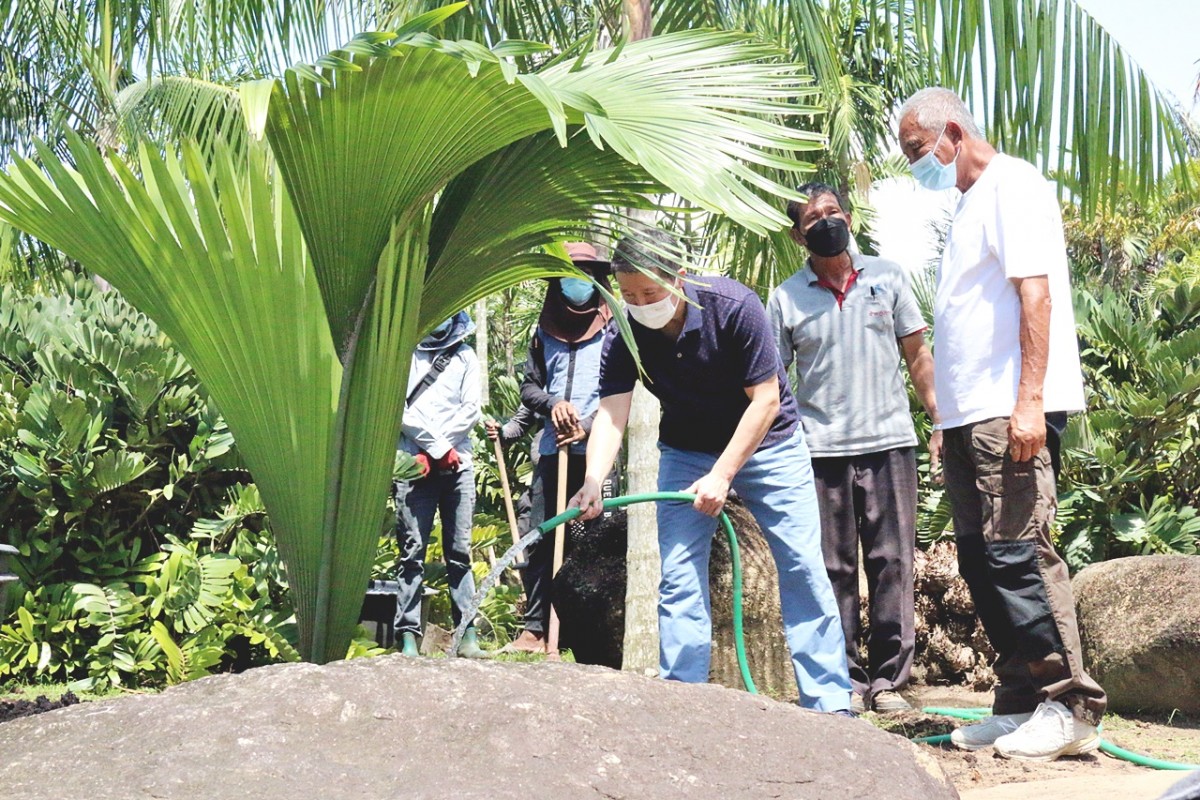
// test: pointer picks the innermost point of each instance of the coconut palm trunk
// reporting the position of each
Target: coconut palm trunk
(640, 653)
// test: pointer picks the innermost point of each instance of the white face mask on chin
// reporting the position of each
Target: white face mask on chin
(654, 315)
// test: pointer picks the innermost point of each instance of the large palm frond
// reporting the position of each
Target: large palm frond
(218, 260)
(301, 323)
(1049, 83)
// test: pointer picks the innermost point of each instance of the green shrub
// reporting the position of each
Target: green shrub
(143, 550)
(1132, 462)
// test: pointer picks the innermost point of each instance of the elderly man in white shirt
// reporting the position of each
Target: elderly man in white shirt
(1006, 375)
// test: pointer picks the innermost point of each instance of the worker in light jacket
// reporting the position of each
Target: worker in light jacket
(441, 409)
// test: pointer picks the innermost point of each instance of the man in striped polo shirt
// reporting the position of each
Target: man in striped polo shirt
(839, 321)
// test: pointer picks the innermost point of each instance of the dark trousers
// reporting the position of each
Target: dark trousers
(872, 498)
(452, 496)
(538, 576)
(1003, 512)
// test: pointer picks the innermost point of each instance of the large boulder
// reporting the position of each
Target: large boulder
(1140, 627)
(433, 728)
(589, 594)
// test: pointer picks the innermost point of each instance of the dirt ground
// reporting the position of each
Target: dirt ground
(981, 775)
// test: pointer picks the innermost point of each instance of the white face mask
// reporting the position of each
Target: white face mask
(654, 315)
(931, 173)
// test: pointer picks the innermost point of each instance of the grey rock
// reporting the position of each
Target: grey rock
(1140, 628)
(393, 727)
(436, 640)
(1186, 789)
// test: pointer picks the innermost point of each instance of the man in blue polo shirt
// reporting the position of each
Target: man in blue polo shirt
(729, 420)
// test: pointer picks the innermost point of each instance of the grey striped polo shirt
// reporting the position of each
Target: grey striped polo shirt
(848, 377)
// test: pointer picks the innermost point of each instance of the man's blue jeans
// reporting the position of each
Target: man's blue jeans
(777, 486)
(452, 494)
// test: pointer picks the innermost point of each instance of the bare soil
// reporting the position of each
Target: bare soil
(16, 707)
(982, 775)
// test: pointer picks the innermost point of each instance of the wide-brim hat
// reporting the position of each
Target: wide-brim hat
(586, 258)
(565, 322)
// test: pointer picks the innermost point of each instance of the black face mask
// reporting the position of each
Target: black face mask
(828, 237)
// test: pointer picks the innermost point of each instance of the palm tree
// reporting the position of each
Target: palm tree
(399, 180)
(1050, 84)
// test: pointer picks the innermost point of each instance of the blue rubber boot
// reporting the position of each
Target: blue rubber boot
(469, 646)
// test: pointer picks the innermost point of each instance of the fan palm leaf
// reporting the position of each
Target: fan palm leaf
(218, 260)
(1049, 82)
(298, 286)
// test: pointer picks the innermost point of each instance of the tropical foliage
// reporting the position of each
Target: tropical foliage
(1134, 458)
(1132, 461)
(297, 285)
(143, 551)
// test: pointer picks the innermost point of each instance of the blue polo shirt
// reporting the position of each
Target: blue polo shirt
(726, 345)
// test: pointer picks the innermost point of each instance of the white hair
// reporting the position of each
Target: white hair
(932, 108)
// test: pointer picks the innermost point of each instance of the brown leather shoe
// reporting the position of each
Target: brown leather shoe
(527, 642)
(887, 701)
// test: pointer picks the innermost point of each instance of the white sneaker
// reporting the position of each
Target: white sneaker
(1053, 731)
(984, 734)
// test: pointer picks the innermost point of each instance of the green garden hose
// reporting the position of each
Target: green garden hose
(977, 714)
(739, 642)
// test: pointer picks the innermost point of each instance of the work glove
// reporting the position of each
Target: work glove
(422, 460)
(448, 462)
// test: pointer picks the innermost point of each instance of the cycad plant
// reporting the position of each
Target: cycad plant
(399, 180)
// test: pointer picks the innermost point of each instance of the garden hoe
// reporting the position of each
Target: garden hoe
(520, 563)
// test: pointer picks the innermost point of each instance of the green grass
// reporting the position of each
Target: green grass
(530, 658)
(1171, 737)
